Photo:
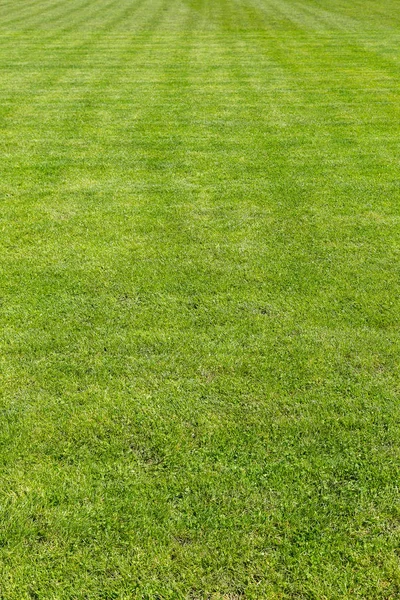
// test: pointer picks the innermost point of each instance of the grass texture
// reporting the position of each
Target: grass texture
(199, 299)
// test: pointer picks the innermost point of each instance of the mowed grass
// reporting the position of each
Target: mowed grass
(199, 285)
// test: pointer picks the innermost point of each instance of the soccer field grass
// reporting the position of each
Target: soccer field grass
(199, 299)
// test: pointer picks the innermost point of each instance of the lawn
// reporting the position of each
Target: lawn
(199, 299)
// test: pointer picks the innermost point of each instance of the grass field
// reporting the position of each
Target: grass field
(199, 299)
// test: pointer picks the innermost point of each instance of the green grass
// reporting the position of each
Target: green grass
(199, 299)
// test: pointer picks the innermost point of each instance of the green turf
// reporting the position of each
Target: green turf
(199, 299)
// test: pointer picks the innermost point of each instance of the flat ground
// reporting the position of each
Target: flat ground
(199, 285)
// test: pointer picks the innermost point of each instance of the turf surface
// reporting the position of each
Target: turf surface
(199, 286)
